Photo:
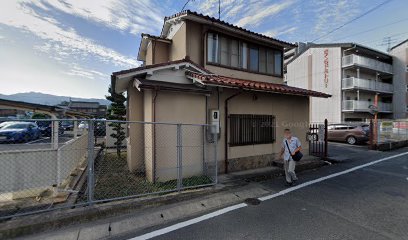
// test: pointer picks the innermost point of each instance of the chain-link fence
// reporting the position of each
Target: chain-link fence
(392, 130)
(51, 164)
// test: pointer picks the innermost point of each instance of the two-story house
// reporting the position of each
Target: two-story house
(199, 66)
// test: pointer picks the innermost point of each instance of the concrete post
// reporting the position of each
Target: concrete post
(90, 162)
(54, 131)
(75, 127)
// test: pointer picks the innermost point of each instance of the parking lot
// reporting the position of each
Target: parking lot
(41, 143)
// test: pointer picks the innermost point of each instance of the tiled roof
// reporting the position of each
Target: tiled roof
(227, 24)
(254, 85)
(160, 65)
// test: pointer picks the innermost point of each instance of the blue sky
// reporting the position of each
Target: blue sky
(70, 47)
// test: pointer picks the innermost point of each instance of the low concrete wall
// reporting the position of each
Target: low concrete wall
(70, 156)
(387, 146)
(26, 173)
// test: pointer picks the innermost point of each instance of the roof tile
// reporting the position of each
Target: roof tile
(253, 85)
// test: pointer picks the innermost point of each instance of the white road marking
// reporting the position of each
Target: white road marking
(40, 139)
(238, 206)
(189, 222)
(288, 190)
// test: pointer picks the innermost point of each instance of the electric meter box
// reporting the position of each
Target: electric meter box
(215, 121)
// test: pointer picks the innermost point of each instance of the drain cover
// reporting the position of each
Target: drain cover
(252, 201)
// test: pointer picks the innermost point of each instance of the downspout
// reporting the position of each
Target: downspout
(156, 89)
(226, 129)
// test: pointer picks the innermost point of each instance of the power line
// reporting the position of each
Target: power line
(354, 19)
(372, 29)
(382, 38)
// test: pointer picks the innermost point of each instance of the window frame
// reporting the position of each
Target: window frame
(251, 129)
(241, 55)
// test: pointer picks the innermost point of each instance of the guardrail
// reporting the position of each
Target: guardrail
(353, 59)
(363, 106)
(360, 83)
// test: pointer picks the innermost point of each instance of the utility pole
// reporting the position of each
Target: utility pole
(387, 41)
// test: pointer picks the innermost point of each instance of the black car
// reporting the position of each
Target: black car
(99, 129)
(46, 128)
(68, 125)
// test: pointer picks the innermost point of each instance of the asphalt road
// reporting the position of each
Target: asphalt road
(369, 203)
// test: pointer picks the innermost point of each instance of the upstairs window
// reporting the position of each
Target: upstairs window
(212, 43)
(229, 52)
(235, 53)
(244, 58)
(253, 58)
(278, 63)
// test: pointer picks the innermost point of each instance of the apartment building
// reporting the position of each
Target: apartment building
(199, 66)
(353, 74)
(400, 66)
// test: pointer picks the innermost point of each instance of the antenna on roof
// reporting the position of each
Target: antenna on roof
(219, 9)
(185, 4)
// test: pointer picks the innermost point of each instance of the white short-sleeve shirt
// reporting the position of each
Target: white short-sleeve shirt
(293, 144)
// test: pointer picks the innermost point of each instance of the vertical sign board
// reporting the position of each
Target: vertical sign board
(321, 132)
(326, 67)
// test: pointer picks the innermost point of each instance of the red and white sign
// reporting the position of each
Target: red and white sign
(326, 67)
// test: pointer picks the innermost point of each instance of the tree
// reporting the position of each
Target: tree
(117, 111)
(39, 116)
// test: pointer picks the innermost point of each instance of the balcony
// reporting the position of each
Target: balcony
(365, 84)
(356, 60)
(362, 106)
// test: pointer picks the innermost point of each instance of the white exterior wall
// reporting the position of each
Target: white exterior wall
(400, 80)
(308, 71)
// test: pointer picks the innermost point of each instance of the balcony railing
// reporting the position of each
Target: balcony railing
(376, 65)
(363, 106)
(366, 84)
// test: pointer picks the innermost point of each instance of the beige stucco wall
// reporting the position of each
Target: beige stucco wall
(195, 42)
(149, 54)
(148, 133)
(290, 112)
(179, 108)
(135, 144)
(178, 48)
(160, 50)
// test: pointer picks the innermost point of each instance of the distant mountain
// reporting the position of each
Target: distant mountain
(48, 99)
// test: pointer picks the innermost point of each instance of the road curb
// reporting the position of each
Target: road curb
(161, 215)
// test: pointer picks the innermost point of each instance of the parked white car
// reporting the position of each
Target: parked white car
(83, 125)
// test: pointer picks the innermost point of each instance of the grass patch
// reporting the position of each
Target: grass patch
(113, 179)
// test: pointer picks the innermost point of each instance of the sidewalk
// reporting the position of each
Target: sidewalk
(117, 218)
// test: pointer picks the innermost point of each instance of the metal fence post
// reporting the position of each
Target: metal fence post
(326, 145)
(179, 159)
(90, 161)
(371, 135)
